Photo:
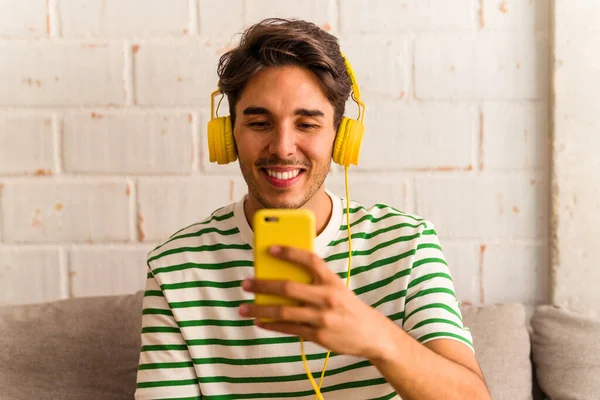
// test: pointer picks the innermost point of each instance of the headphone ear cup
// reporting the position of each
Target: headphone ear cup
(230, 153)
(346, 149)
(221, 146)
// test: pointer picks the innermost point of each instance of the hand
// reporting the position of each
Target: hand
(331, 314)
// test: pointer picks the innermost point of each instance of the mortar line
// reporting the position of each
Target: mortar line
(66, 273)
(478, 147)
(132, 193)
(57, 140)
(196, 144)
(194, 22)
(128, 78)
(52, 18)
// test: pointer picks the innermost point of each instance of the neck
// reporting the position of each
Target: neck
(320, 204)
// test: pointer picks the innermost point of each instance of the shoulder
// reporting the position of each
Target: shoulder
(210, 229)
(378, 216)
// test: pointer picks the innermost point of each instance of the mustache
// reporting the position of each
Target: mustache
(274, 160)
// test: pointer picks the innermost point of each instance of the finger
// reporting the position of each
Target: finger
(308, 294)
(307, 259)
(303, 315)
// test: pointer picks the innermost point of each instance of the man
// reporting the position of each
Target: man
(396, 332)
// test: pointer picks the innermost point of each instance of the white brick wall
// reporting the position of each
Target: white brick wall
(470, 66)
(27, 144)
(60, 73)
(31, 276)
(576, 184)
(103, 112)
(23, 18)
(140, 142)
(98, 271)
(121, 18)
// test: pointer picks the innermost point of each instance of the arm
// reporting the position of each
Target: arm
(432, 356)
(439, 369)
(165, 368)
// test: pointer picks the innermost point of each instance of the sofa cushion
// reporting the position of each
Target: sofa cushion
(502, 347)
(83, 348)
(566, 352)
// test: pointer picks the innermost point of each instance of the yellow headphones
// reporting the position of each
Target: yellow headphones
(346, 149)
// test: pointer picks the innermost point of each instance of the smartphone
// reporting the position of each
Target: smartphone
(284, 227)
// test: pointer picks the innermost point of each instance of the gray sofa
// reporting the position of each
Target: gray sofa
(87, 348)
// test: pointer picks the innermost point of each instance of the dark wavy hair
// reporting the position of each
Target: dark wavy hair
(277, 42)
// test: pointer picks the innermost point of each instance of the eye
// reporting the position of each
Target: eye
(308, 126)
(258, 124)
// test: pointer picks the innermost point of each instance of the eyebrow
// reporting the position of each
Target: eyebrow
(252, 110)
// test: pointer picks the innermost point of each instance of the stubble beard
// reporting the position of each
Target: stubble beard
(318, 180)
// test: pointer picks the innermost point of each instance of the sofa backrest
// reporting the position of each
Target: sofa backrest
(88, 348)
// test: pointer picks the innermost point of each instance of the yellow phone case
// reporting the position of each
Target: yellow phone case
(285, 227)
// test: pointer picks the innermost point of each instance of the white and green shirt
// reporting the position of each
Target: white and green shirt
(195, 345)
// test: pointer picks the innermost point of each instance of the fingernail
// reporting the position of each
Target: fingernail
(275, 249)
(244, 309)
(247, 284)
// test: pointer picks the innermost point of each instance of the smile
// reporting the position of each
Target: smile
(282, 178)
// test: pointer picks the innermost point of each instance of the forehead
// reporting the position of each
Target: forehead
(284, 88)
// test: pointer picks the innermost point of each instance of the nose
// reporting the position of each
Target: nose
(283, 141)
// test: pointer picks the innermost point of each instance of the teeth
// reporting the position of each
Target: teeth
(283, 176)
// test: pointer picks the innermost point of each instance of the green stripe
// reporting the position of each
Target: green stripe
(216, 322)
(154, 293)
(212, 218)
(260, 360)
(378, 205)
(397, 316)
(197, 284)
(341, 386)
(149, 275)
(427, 277)
(429, 260)
(184, 398)
(156, 311)
(434, 321)
(185, 382)
(434, 305)
(388, 207)
(183, 364)
(341, 256)
(390, 297)
(429, 232)
(444, 334)
(364, 235)
(430, 291)
(242, 342)
(383, 282)
(182, 249)
(211, 266)
(377, 264)
(285, 378)
(209, 303)
(159, 329)
(429, 246)
(161, 347)
(371, 218)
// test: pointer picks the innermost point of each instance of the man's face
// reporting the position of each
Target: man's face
(284, 136)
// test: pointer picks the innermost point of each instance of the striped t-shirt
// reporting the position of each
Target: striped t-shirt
(195, 345)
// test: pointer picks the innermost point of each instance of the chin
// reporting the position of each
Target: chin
(283, 200)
